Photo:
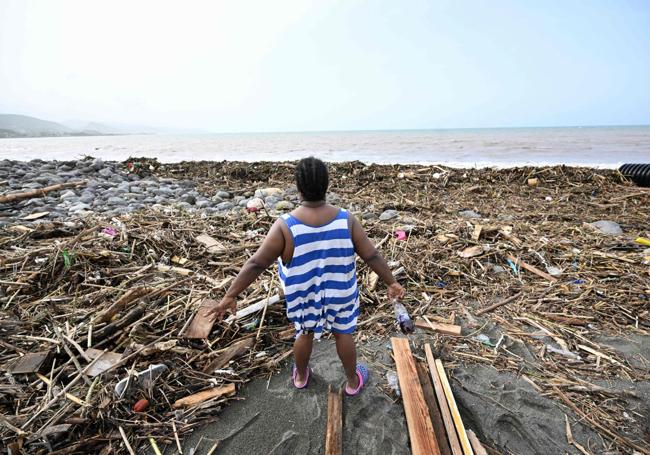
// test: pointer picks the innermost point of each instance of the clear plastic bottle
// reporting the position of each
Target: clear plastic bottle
(405, 322)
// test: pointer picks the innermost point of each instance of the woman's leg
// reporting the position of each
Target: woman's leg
(301, 352)
(348, 354)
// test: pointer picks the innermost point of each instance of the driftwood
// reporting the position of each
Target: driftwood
(39, 192)
(334, 431)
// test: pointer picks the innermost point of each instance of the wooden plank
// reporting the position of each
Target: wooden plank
(212, 244)
(200, 397)
(334, 434)
(531, 268)
(476, 444)
(438, 327)
(448, 420)
(458, 422)
(434, 411)
(201, 324)
(32, 362)
(234, 350)
(423, 440)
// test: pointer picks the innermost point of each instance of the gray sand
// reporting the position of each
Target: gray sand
(504, 411)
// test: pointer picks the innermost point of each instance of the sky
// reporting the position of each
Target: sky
(299, 65)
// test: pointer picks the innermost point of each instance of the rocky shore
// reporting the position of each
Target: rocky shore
(110, 189)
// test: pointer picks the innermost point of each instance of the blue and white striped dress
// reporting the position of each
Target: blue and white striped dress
(320, 282)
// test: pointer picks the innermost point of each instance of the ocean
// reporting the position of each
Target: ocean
(605, 147)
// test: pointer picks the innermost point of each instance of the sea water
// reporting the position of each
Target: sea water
(606, 147)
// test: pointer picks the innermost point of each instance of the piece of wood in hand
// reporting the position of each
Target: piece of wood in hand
(423, 441)
(434, 410)
(448, 420)
(202, 323)
(455, 413)
(200, 397)
(438, 327)
(225, 356)
(531, 268)
(334, 434)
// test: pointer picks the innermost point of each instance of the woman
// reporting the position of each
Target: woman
(315, 246)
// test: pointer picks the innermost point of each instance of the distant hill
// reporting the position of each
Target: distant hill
(12, 125)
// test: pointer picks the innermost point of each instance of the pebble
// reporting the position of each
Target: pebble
(68, 194)
(388, 215)
(222, 206)
(255, 203)
(264, 192)
(224, 194)
(469, 214)
(607, 227)
(284, 205)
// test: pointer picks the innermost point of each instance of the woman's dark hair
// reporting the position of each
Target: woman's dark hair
(312, 179)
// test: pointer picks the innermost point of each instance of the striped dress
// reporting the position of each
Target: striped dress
(320, 282)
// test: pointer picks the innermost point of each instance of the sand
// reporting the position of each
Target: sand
(506, 412)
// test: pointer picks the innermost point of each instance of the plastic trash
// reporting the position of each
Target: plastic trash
(400, 235)
(391, 378)
(405, 322)
(143, 379)
(642, 241)
(484, 339)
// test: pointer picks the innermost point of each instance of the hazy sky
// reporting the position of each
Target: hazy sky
(352, 64)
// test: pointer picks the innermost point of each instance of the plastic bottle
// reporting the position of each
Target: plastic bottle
(391, 378)
(405, 322)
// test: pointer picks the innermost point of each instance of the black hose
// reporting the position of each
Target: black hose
(638, 173)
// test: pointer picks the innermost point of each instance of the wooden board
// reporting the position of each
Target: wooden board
(212, 244)
(200, 397)
(29, 363)
(438, 327)
(201, 324)
(434, 411)
(458, 422)
(476, 444)
(234, 350)
(448, 420)
(423, 440)
(334, 434)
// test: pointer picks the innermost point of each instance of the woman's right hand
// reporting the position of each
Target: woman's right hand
(395, 291)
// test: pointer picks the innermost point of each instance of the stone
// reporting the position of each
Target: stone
(202, 204)
(163, 191)
(469, 214)
(188, 198)
(607, 227)
(369, 216)
(264, 192)
(388, 215)
(255, 204)
(67, 195)
(87, 198)
(106, 172)
(284, 205)
(224, 194)
(272, 199)
(98, 163)
(115, 201)
(224, 206)
(243, 202)
(78, 207)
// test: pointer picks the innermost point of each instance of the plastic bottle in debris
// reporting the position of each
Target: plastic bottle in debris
(405, 322)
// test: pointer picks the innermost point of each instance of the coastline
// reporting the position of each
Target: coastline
(599, 299)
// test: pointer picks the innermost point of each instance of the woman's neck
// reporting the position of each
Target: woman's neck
(313, 204)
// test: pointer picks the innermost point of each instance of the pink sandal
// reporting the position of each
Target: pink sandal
(294, 375)
(363, 374)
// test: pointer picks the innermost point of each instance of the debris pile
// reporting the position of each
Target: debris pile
(104, 344)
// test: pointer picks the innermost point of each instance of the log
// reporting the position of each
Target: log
(458, 422)
(531, 268)
(334, 434)
(438, 327)
(234, 350)
(423, 440)
(39, 192)
(128, 319)
(434, 411)
(200, 397)
(447, 419)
